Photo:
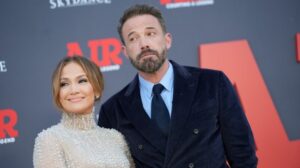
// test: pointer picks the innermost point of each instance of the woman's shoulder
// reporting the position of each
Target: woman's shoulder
(46, 145)
(113, 133)
(110, 131)
(48, 133)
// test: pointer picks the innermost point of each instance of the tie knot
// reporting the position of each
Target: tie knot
(157, 89)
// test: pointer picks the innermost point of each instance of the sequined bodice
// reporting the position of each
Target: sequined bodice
(78, 142)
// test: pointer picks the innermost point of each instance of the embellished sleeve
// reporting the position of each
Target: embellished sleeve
(47, 153)
(128, 154)
(125, 147)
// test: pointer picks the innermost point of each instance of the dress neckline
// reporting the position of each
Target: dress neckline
(79, 121)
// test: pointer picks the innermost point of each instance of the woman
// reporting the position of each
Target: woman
(77, 141)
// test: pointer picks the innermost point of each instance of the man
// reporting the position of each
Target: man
(196, 121)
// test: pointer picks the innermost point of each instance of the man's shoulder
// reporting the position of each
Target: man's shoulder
(202, 72)
(194, 70)
(114, 98)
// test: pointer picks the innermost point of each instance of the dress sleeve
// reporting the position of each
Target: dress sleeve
(125, 148)
(128, 154)
(47, 152)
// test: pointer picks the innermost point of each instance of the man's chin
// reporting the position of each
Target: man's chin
(150, 67)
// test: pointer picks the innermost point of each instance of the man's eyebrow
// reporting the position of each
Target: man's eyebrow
(148, 28)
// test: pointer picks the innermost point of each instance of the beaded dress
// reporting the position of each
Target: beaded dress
(77, 142)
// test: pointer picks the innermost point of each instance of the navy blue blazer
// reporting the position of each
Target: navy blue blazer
(208, 126)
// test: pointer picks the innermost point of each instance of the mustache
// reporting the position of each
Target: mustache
(147, 52)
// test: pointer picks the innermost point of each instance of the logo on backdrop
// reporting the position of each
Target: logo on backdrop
(54, 4)
(256, 100)
(109, 57)
(8, 121)
(3, 66)
(172, 4)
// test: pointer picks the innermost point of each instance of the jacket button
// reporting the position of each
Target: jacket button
(140, 147)
(191, 165)
(196, 131)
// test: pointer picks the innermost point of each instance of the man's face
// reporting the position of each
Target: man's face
(145, 43)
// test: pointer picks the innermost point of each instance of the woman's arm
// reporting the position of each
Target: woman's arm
(47, 152)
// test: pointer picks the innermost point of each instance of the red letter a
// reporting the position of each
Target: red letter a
(274, 150)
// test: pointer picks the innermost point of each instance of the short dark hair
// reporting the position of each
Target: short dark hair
(137, 10)
(92, 71)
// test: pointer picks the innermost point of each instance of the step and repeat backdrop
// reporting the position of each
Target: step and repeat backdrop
(256, 43)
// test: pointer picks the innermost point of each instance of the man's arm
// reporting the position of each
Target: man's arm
(236, 131)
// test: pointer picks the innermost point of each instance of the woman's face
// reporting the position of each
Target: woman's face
(76, 93)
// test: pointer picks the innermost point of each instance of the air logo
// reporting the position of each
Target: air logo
(8, 121)
(109, 57)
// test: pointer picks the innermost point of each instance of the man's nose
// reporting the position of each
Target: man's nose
(144, 43)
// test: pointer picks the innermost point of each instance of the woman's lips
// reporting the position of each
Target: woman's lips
(75, 100)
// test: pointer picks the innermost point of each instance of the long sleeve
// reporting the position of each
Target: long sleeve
(128, 154)
(47, 152)
(236, 131)
(121, 140)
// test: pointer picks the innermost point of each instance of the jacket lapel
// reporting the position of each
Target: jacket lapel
(132, 104)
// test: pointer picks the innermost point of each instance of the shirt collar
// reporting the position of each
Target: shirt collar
(166, 81)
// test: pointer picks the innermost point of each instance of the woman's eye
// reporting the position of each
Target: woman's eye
(82, 81)
(62, 84)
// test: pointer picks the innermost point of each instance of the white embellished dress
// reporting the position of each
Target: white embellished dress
(77, 142)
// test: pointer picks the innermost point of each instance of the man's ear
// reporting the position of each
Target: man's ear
(124, 51)
(168, 38)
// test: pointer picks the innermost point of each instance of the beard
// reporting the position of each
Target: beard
(149, 65)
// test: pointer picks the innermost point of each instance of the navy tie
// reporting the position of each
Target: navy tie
(159, 111)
